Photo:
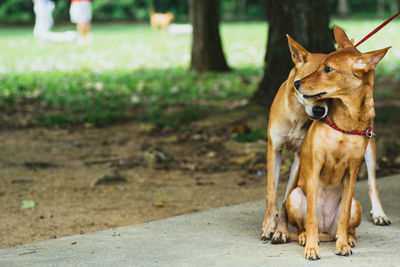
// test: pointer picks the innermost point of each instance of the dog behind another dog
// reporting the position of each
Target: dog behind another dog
(160, 20)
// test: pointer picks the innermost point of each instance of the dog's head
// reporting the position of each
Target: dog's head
(305, 64)
(170, 16)
(344, 72)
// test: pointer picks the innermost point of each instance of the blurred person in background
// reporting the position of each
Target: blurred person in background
(81, 13)
(43, 17)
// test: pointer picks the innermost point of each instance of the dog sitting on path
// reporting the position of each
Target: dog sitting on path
(333, 148)
(289, 120)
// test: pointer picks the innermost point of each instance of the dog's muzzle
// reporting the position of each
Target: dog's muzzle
(297, 85)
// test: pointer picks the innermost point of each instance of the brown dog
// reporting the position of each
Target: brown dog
(287, 126)
(288, 123)
(160, 20)
(333, 149)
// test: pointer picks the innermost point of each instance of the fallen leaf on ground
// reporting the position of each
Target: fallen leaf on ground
(200, 182)
(28, 204)
(257, 166)
(242, 160)
(159, 204)
(240, 128)
(147, 127)
(109, 179)
(191, 166)
(21, 181)
(171, 139)
(241, 183)
(251, 147)
(154, 158)
(211, 154)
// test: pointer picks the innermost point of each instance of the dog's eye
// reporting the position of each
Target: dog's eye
(327, 69)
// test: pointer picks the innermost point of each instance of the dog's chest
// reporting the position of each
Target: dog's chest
(295, 136)
(340, 154)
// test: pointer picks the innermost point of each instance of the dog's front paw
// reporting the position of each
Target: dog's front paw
(280, 237)
(343, 249)
(351, 240)
(268, 229)
(311, 253)
(302, 239)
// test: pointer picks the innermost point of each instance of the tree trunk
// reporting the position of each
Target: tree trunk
(380, 8)
(343, 8)
(207, 54)
(242, 9)
(394, 7)
(308, 24)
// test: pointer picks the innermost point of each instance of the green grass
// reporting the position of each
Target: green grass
(101, 98)
(130, 66)
(124, 47)
(126, 65)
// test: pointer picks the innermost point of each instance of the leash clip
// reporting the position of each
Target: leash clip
(369, 133)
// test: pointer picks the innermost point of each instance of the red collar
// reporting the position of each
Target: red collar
(367, 133)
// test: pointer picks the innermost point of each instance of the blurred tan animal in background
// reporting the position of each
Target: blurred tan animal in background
(160, 20)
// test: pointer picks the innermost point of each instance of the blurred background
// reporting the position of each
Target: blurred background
(21, 12)
(152, 120)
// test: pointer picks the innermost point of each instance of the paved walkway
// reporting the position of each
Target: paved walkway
(221, 237)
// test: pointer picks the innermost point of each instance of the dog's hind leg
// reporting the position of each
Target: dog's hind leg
(355, 221)
(281, 234)
(273, 168)
(296, 207)
(377, 213)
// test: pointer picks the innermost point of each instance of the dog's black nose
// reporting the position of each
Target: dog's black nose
(297, 84)
(318, 111)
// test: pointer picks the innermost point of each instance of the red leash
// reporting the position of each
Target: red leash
(377, 29)
(367, 133)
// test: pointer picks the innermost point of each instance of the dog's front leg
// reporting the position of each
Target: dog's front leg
(377, 213)
(281, 234)
(348, 184)
(311, 251)
(273, 168)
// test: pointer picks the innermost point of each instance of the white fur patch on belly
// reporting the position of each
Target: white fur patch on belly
(328, 208)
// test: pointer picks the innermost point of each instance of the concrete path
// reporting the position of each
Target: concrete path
(227, 236)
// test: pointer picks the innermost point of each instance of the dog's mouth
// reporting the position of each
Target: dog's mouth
(314, 118)
(314, 96)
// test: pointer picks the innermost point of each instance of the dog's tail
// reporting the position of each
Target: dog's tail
(322, 237)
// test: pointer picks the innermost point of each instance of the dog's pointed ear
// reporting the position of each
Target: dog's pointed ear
(368, 61)
(341, 38)
(299, 54)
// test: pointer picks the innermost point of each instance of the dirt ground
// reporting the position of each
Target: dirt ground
(84, 179)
